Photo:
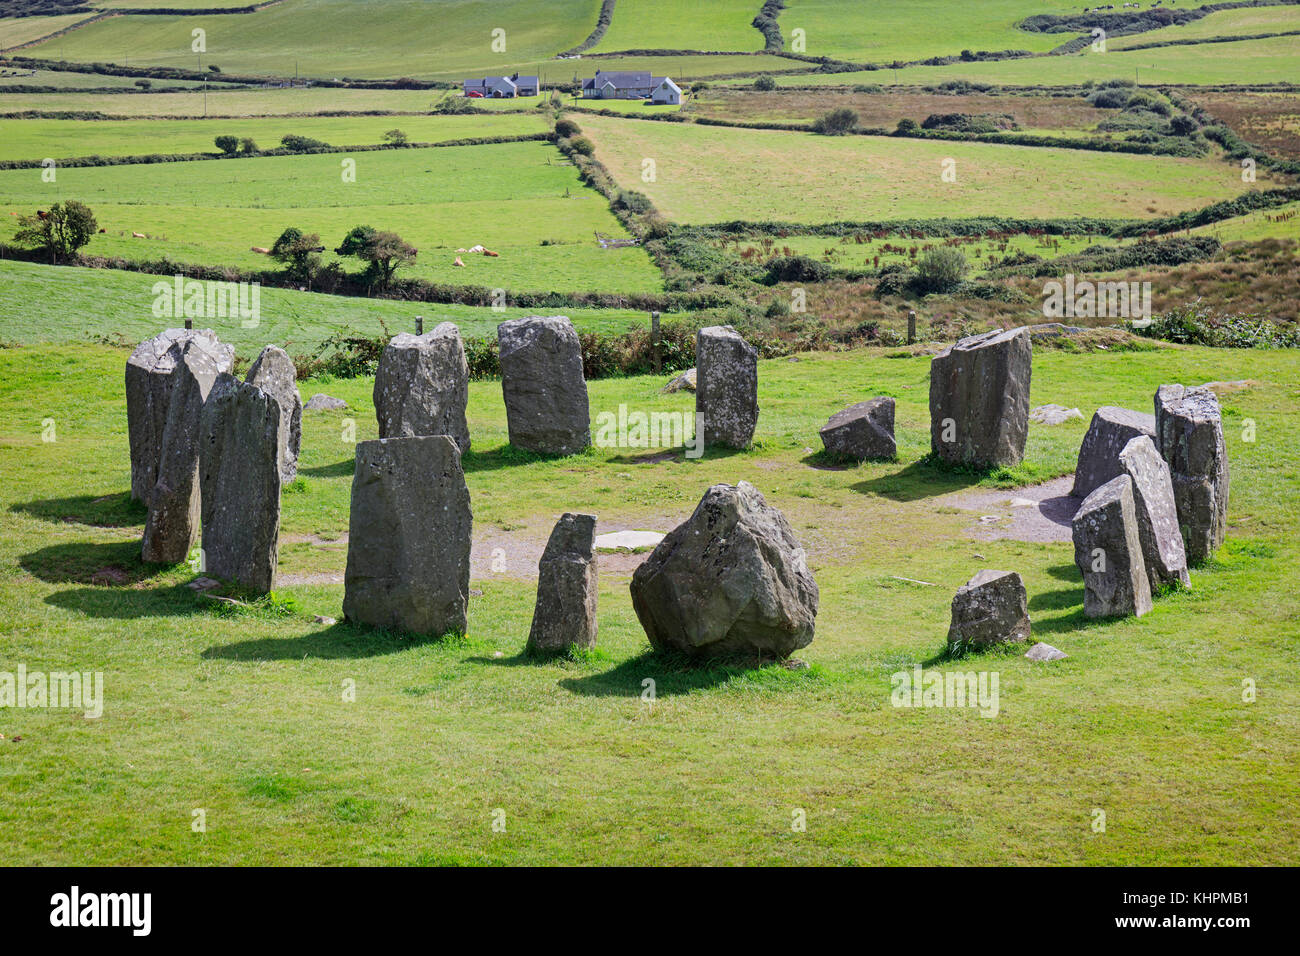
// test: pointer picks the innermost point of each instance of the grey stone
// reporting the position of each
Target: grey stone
(1045, 652)
(1108, 550)
(148, 389)
(862, 431)
(172, 525)
(1189, 428)
(565, 613)
(1153, 497)
(422, 386)
(726, 387)
(274, 373)
(731, 581)
(1111, 429)
(240, 474)
(979, 399)
(1052, 414)
(541, 380)
(320, 402)
(683, 382)
(991, 608)
(409, 537)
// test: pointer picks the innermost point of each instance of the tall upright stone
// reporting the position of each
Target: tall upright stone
(148, 391)
(1153, 497)
(542, 382)
(1189, 429)
(730, 581)
(274, 373)
(240, 473)
(172, 525)
(422, 386)
(979, 399)
(1108, 550)
(1110, 431)
(409, 537)
(565, 613)
(726, 387)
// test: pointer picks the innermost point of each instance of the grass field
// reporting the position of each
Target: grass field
(241, 713)
(71, 80)
(227, 102)
(15, 31)
(713, 174)
(509, 197)
(36, 139)
(1223, 23)
(682, 25)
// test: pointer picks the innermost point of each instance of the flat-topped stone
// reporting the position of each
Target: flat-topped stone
(862, 431)
(1189, 427)
(991, 608)
(422, 386)
(547, 410)
(979, 399)
(274, 373)
(1108, 551)
(726, 387)
(1111, 429)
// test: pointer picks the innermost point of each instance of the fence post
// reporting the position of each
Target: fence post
(189, 323)
(419, 325)
(654, 342)
(911, 327)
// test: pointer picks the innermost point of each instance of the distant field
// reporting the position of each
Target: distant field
(683, 69)
(344, 38)
(228, 102)
(107, 303)
(67, 79)
(18, 30)
(36, 139)
(1252, 20)
(713, 174)
(1280, 223)
(682, 25)
(1270, 120)
(509, 197)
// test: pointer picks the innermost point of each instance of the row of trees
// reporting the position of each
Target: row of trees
(383, 253)
(235, 145)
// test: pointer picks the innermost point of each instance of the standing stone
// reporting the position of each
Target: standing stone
(565, 614)
(173, 500)
(409, 537)
(1189, 430)
(240, 474)
(541, 379)
(1108, 550)
(148, 389)
(423, 385)
(862, 431)
(275, 374)
(979, 399)
(1153, 497)
(726, 387)
(991, 608)
(730, 581)
(1111, 429)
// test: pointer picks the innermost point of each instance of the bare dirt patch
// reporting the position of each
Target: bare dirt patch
(1039, 513)
(1270, 120)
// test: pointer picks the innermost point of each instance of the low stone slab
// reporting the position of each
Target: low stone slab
(726, 387)
(565, 613)
(542, 382)
(409, 537)
(320, 402)
(1153, 497)
(274, 373)
(1052, 414)
(1189, 428)
(729, 582)
(627, 540)
(683, 382)
(1045, 652)
(239, 471)
(1111, 429)
(1108, 550)
(862, 431)
(991, 608)
(422, 386)
(148, 390)
(979, 399)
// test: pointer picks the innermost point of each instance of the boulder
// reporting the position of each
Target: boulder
(1111, 429)
(731, 581)
(320, 402)
(1045, 652)
(409, 537)
(683, 382)
(565, 613)
(862, 431)
(991, 608)
(726, 387)
(274, 373)
(1153, 497)
(172, 525)
(1189, 430)
(1052, 414)
(979, 399)
(1108, 550)
(240, 475)
(422, 386)
(148, 388)
(541, 380)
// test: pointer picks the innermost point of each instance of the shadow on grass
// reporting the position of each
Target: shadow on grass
(115, 510)
(128, 603)
(918, 480)
(1057, 600)
(338, 641)
(85, 562)
(340, 469)
(1066, 572)
(671, 675)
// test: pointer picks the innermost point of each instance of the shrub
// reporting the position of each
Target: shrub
(633, 201)
(797, 269)
(60, 231)
(247, 146)
(765, 83)
(384, 252)
(395, 137)
(298, 252)
(1108, 98)
(907, 125)
(836, 122)
(300, 144)
(940, 270)
(582, 145)
(567, 128)
(227, 144)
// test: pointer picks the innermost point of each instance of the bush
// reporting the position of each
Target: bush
(299, 144)
(227, 144)
(837, 122)
(907, 125)
(797, 269)
(1197, 325)
(941, 269)
(582, 145)
(633, 201)
(1109, 98)
(567, 128)
(395, 137)
(765, 83)
(1183, 125)
(61, 230)
(247, 146)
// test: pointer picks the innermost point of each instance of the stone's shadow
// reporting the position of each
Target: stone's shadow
(1066, 572)
(104, 563)
(341, 641)
(115, 510)
(1055, 600)
(1068, 624)
(650, 458)
(128, 603)
(1060, 510)
(825, 461)
(503, 456)
(672, 675)
(916, 481)
(340, 469)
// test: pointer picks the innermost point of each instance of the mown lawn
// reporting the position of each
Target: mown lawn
(242, 714)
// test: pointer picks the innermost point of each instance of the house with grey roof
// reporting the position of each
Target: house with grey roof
(622, 85)
(502, 87)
